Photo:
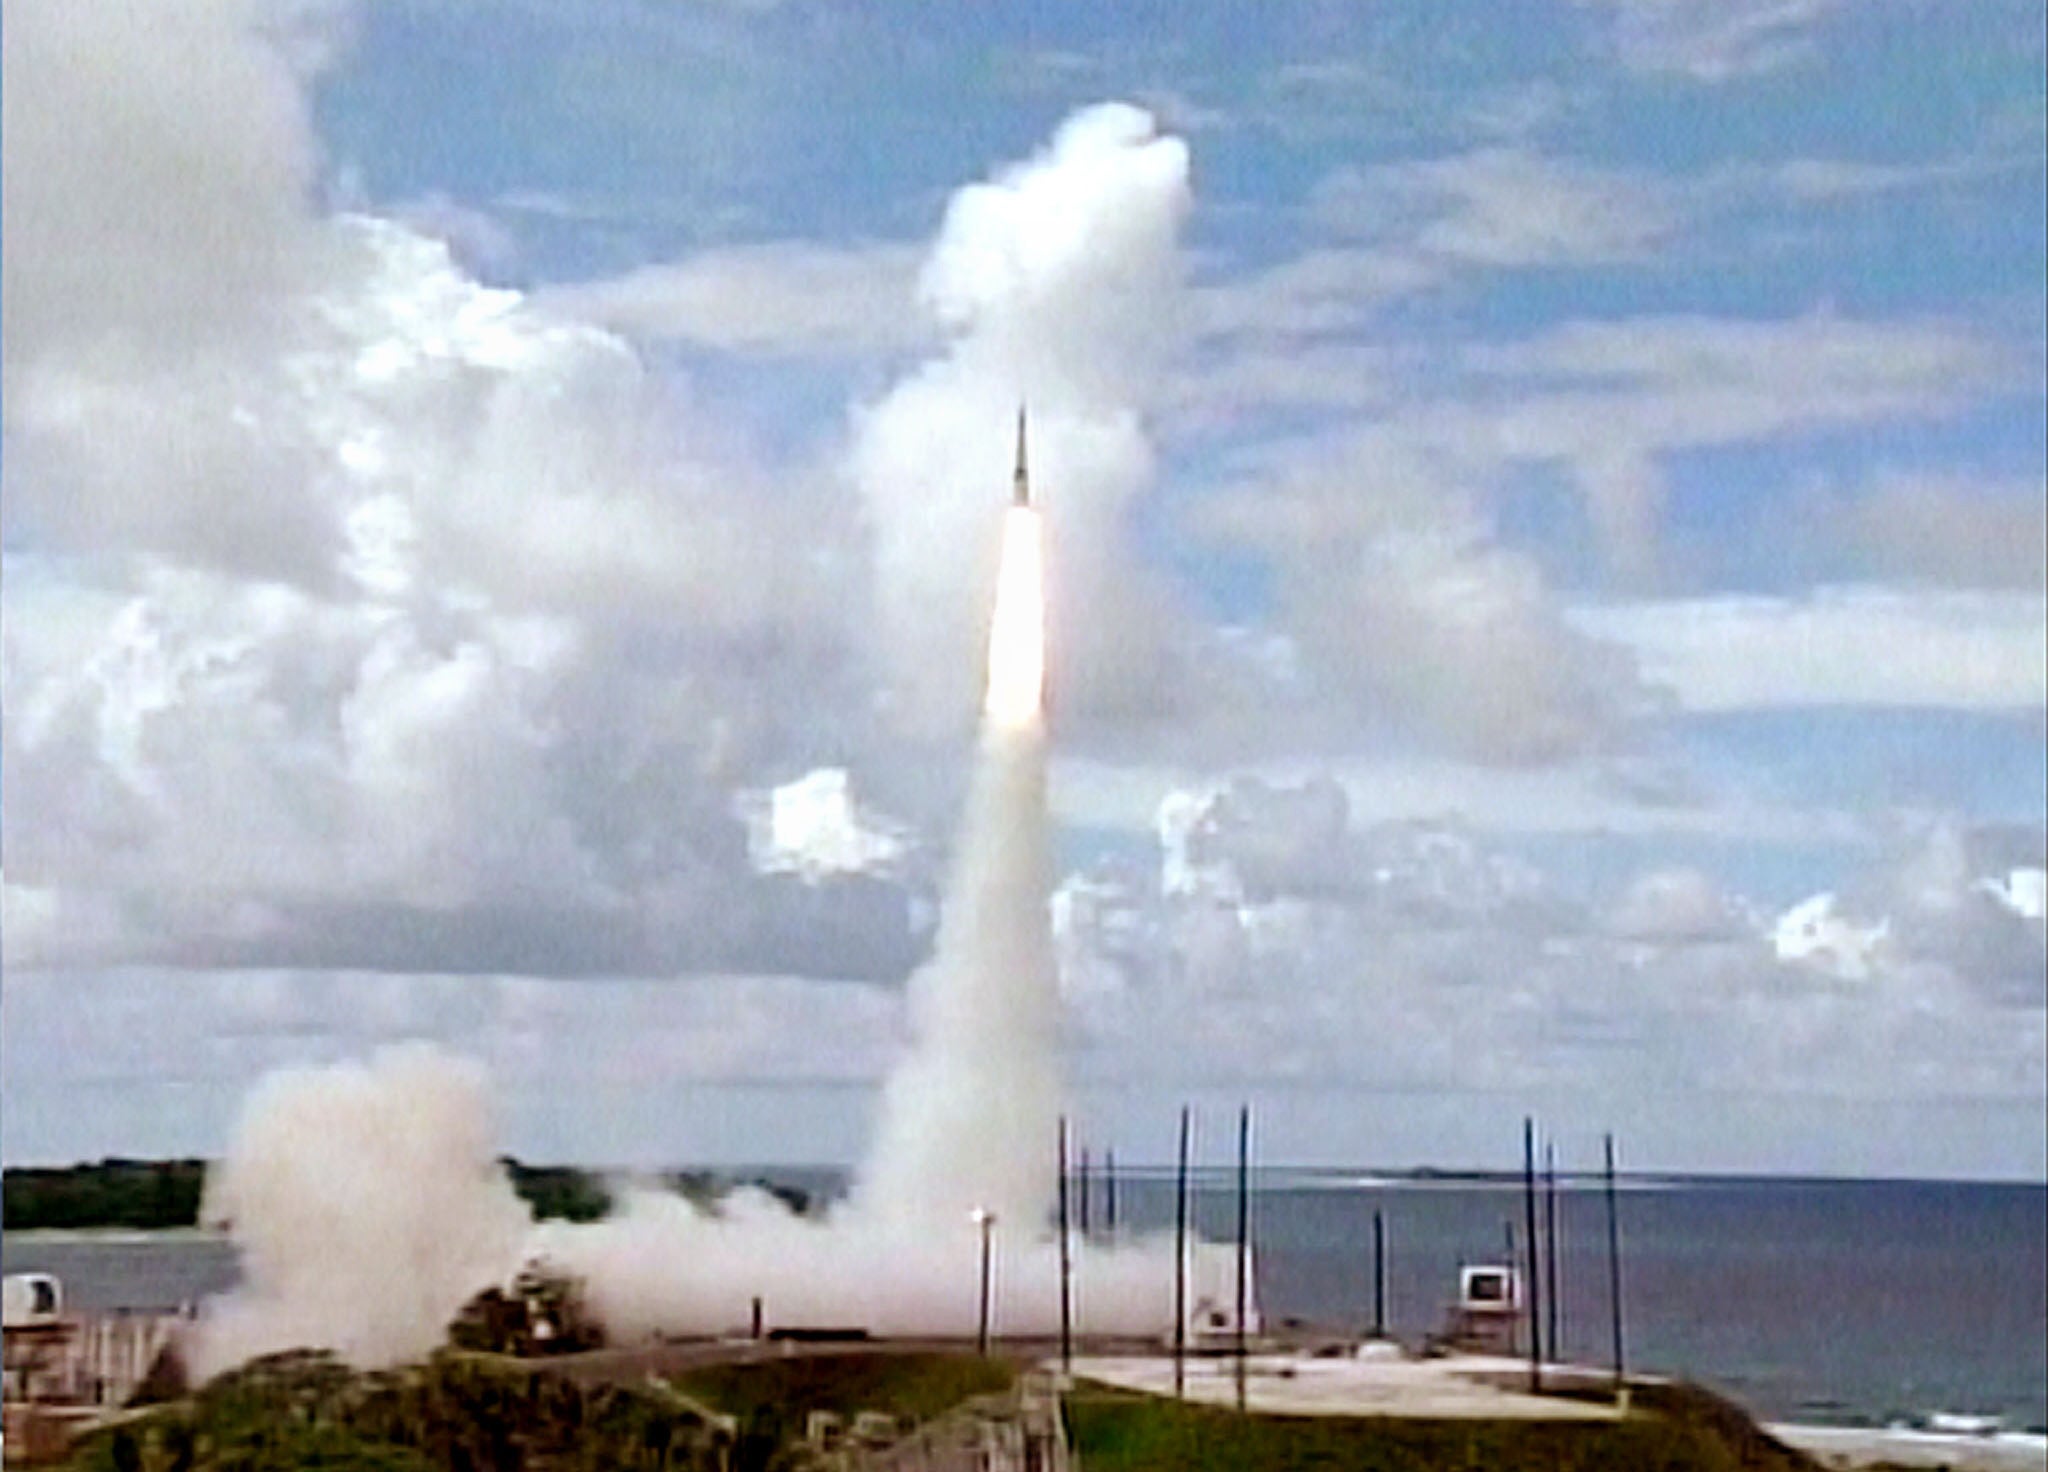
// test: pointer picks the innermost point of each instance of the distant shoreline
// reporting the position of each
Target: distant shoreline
(34, 1235)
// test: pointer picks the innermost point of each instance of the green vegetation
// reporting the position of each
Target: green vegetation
(771, 1399)
(557, 1191)
(470, 1412)
(1116, 1431)
(139, 1194)
(155, 1195)
(304, 1409)
(1703, 1411)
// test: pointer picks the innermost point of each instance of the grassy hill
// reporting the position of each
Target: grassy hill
(1675, 1429)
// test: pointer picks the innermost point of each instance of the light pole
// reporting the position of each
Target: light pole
(986, 1220)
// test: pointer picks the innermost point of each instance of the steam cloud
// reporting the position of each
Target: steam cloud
(368, 1206)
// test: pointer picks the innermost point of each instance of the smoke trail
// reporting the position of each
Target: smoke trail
(967, 1122)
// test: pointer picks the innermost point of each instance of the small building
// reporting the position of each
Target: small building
(1488, 1309)
(61, 1369)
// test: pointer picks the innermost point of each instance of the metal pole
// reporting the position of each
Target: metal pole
(1614, 1272)
(1550, 1301)
(1379, 1274)
(987, 1220)
(1244, 1227)
(1529, 1225)
(1109, 1190)
(1066, 1265)
(1084, 1193)
(1180, 1260)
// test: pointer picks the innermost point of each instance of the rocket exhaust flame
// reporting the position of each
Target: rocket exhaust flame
(1016, 637)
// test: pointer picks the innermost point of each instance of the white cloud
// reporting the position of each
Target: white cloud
(363, 615)
(1410, 614)
(116, 246)
(1324, 290)
(1949, 528)
(1675, 906)
(777, 298)
(1819, 364)
(1300, 949)
(1499, 207)
(1854, 646)
(1609, 400)
(1712, 42)
(1574, 798)
(1411, 957)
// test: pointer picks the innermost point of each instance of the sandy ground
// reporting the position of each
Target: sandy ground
(1457, 1388)
(1846, 1448)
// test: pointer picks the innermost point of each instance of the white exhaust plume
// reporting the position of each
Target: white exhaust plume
(968, 1120)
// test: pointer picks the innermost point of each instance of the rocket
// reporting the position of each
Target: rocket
(1020, 483)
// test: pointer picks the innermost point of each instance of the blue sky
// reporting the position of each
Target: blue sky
(461, 456)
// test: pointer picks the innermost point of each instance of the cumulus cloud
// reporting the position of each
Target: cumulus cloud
(1270, 938)
(774, 298)
(1610, 401)
(1675, 905)
(358, 613)
(1499, 207)
(116, 247)
(1418, 956)
(1711, 43)
(1943, 528)
(1413, 614)
(1842, 646)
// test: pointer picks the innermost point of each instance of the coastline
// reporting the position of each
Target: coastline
(35, 1236)
(1852, 1447)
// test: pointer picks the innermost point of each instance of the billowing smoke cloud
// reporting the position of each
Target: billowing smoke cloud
(368, 1206)
(1059, 282)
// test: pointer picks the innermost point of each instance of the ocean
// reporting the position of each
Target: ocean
(1831, 1302)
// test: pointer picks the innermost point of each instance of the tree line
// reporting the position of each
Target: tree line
(156, 1195)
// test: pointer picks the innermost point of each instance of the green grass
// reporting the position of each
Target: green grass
(304, 1409)
(1114, 1431)
(911, 1387)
